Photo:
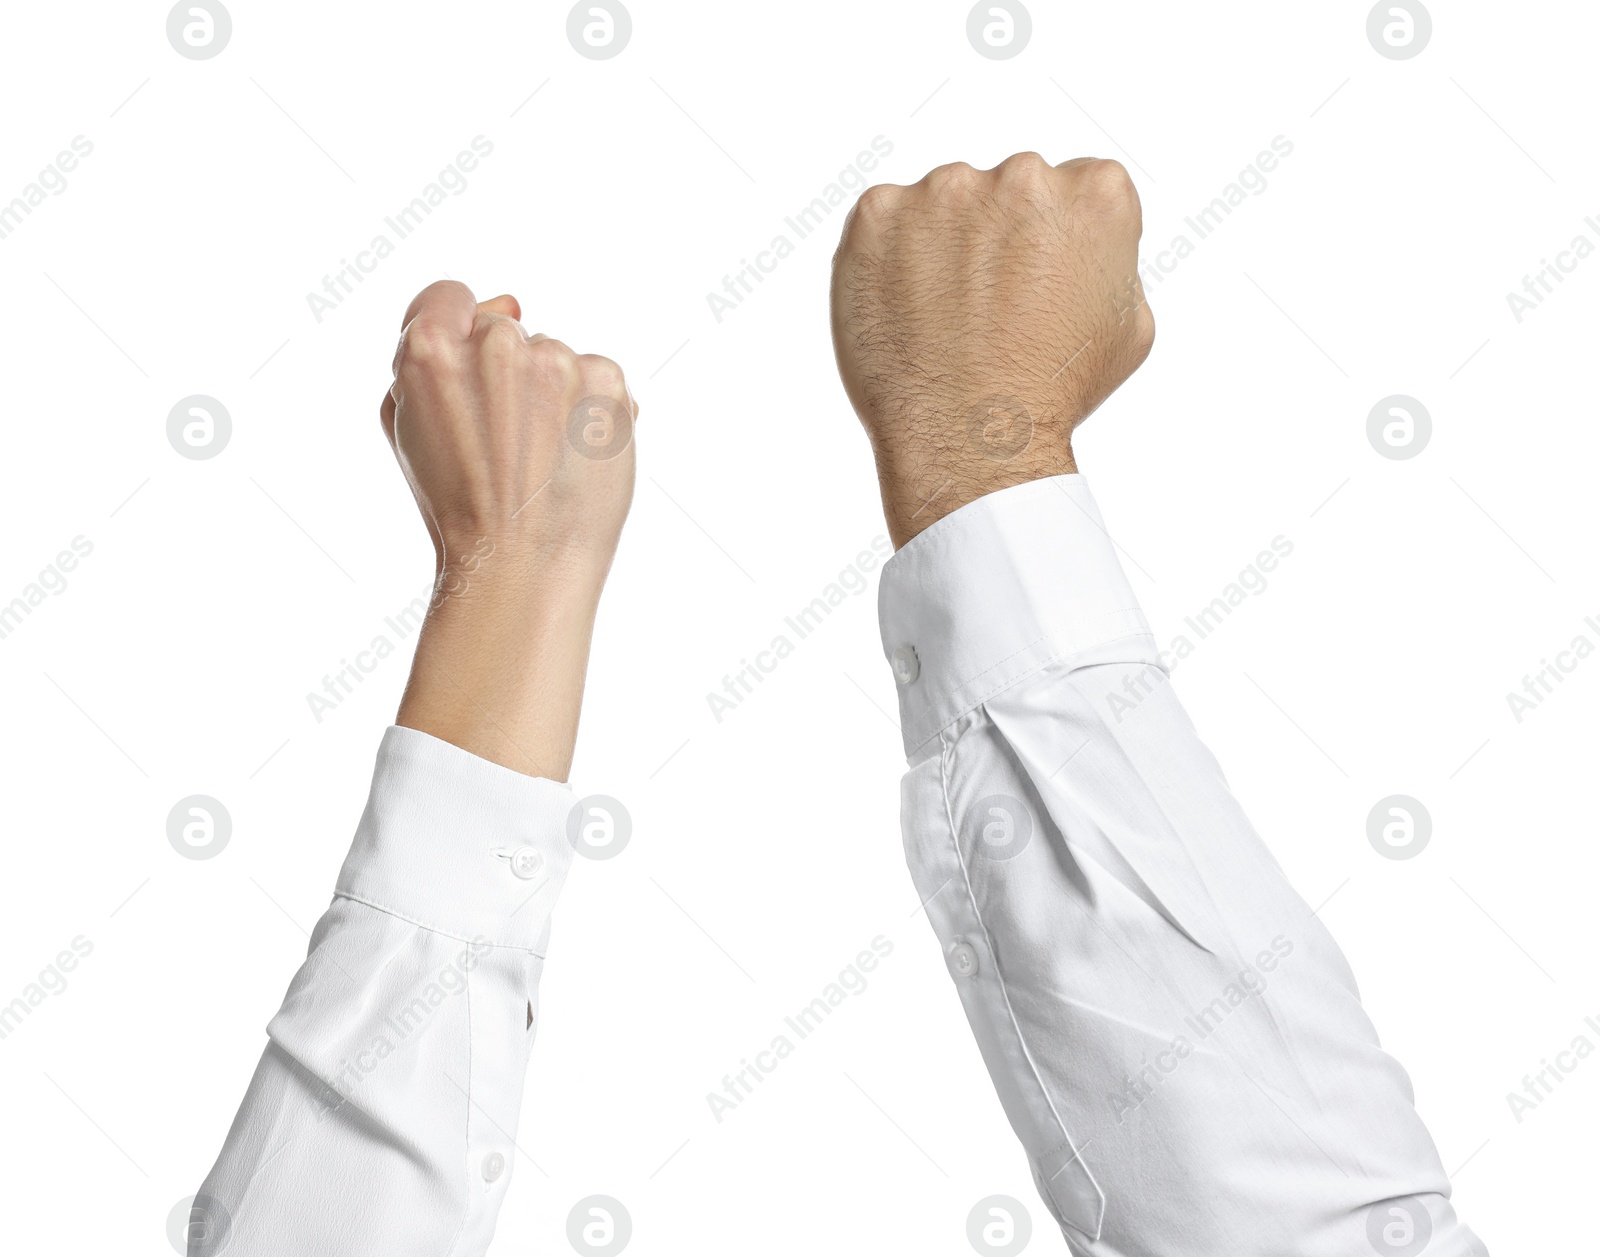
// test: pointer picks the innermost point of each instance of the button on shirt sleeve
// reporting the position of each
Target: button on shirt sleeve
(1177, 1041)
(382, 1116)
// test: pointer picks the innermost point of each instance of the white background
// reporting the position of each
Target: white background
(766, 850)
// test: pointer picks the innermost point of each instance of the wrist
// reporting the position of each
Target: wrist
(919, 489)
(529, 564)
(500, 665)
(492, 580)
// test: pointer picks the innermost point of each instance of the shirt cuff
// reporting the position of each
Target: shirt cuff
(1009, 584)
(459, 845)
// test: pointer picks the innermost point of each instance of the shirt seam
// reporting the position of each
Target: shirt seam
(1048, 635)
(948, 748)
(466, 1138)
(432, 929)
(1042, 664)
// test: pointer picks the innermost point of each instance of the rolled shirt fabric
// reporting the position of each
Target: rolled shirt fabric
(382, 1117)
(1175, 1037)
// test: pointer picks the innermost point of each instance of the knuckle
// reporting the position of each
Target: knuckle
(877, 201)
(1140, 337)
(554, 360)
(601, 374)
(1028, 168)
(427, 345)
(444, 290)
(437, 299)
(1109, 181)
(502, 341)
(1146, 329)
(956, 176)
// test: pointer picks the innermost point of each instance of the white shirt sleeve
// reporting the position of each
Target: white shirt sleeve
(383, 1114)
(1175, 1038)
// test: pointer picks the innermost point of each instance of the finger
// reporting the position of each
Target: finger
(446, 307)
(608, 378)
(449, 303)
(535, 337)
(505, 304)
(490, 322)
(1075, 162)
(386, 416)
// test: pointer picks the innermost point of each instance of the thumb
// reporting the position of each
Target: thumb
(506, 305)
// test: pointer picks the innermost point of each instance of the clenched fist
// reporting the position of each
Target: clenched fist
(508, 440)
(978, 317)
(520, 455)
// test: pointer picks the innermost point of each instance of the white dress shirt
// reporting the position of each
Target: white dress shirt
(1175, 1038)
(382, 1117)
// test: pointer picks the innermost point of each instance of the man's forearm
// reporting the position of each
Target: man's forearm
(1175, 1038)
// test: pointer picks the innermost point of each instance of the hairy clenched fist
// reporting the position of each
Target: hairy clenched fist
(979, 316)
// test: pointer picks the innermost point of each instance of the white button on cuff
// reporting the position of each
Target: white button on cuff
(494, 1165)
(963, 960)
(526, 862)
(904, 662)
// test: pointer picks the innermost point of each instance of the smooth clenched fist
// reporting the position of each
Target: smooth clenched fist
(509, 441)
(979, 316)
(520, 454)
